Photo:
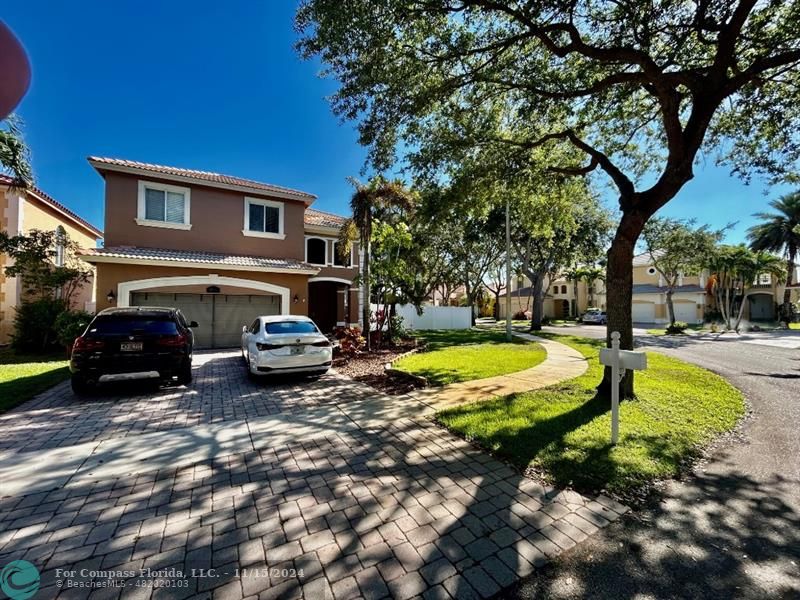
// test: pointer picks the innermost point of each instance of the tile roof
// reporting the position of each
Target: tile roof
(190, 256)
(318, 218)
(646, 288)
(9, 181)
(218, 179)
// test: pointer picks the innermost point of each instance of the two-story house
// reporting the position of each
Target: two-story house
(560, 300)
(222, 249)
(22, 210)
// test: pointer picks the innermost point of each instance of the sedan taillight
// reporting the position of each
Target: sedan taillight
(261, 346)
(83, 344)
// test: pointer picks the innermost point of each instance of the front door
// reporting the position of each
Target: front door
(323, 304)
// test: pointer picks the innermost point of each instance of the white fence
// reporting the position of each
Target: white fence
(433, 317)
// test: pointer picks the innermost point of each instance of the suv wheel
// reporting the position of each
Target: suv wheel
(80, 386)
(185, 376)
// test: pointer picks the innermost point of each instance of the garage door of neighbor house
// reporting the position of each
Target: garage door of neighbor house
(219, 317)
(643, 312)
(685, 311)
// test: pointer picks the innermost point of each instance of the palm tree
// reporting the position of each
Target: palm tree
(14, 156)
(750, 269)
(592, 274)
(780, 233)
(366, 203)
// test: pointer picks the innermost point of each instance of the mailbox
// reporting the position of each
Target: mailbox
(628, 359)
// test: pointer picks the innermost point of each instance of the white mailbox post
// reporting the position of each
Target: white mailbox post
(619, 361)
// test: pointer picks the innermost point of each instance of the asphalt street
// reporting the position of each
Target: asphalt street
(731, 529)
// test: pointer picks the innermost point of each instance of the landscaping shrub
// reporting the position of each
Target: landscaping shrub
(397, 329)
(69, 325)
(351, 342)
(520, 316)
(34, 325)
(677, 327)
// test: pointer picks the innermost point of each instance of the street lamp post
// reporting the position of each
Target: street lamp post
(508, 272)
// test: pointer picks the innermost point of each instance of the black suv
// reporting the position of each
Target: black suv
(124, 344)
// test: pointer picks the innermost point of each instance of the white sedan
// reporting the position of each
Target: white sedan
(594, 315)
(280, 344)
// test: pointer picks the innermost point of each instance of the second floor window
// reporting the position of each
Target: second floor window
(337, 259)
(162, 205)
(315, 251)
(263, 217)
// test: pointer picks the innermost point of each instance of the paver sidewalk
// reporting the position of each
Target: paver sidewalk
(343, 499)
(562, 363)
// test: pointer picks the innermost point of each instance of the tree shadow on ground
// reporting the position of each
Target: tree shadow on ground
(717, 536)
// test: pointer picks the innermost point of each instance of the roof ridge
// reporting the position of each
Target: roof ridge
(243, 181)
(8, 180)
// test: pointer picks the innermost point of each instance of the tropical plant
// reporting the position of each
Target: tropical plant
(366, 203)
(780, 233)
(69, 325)
(14, 154)
(624, 88)
(677, 248)
(734, 272)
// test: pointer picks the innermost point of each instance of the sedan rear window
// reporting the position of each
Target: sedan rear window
(123, 325)
(291, 327)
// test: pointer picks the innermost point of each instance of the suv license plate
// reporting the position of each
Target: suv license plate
(131, 346)
(297, 350)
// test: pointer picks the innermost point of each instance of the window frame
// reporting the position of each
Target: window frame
(334, 256)
(141, 219)
(326, 262)
(280, 235)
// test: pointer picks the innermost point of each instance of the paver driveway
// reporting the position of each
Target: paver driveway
(236, 489)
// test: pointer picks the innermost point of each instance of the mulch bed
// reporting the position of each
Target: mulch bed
(370, 369)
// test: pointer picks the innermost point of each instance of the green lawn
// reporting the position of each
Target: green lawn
(563, 431)
(463, 355)
(23, 377)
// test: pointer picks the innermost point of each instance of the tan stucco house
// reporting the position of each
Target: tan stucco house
(24, 209)
(221, 248)
(560, 300)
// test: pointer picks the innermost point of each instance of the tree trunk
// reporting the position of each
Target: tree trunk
(497, 305)
(365, 310)
(619, 290)
(670, 307)
(575, 308)
(786, 310)
(537, 283)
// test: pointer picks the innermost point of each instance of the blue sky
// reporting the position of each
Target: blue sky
(216, 86)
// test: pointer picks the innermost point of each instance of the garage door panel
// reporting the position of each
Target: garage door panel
(685, 311)
(219, 317)
(643, 312)
(231, 312)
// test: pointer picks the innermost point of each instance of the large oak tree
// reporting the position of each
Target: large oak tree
(641, 89)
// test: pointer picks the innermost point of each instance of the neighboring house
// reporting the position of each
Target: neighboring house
(222, 249)
(560, 301)
(22, 210)
(689, 299)
(445, 296)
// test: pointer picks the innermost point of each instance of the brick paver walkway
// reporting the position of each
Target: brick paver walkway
(562, 363)
(231, 489)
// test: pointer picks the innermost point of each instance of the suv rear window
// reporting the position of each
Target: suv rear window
(122, 325)
(290, 327)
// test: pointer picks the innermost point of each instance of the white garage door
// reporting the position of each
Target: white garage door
(643, 312)
(219, 317)
(686, 312)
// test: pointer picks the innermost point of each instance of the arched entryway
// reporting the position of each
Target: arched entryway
(328, 300)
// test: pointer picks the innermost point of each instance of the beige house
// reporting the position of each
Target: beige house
(221, 248)
(560, 300)
(22, 210)
(691, 300)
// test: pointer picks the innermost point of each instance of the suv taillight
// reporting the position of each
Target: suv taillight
(83, 344)
(172, 340)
